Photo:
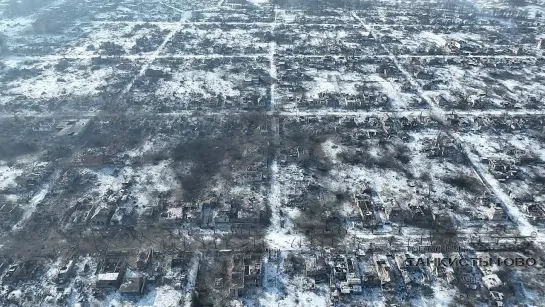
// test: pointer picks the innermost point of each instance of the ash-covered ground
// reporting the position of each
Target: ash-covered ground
(272, 153)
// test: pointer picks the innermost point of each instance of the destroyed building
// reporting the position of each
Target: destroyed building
(133, 285)
(110, 271)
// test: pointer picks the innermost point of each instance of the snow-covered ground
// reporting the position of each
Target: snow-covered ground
(8, 175)
(50, 83)
(125, 35)
(147, 182)
(281, 233)
(281, 290)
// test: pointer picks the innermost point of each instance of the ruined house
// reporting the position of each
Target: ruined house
(144, 259)
(396, 214)
(502, 170)
(410, 272)
(172, 216)
(207, 215)
(383, 269)
(344, 275)
(491, 281)
(71, 127)
(133, 285)
(236, 275)
(252, 271)
(363, 202)
(222, 219)
(65, 272)
(535, 211)
(110, 271)
(369, 275)
(121, 216)
(422, 215)
(20, 271)
(101, 216)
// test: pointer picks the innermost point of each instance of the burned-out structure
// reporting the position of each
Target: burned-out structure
(110, 271)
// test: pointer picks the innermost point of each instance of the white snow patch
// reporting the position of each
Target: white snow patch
(163, 296)
(207, 84)
(293, 292)
(432, 37)
(31, 207)
(49, 83)
(8, 176)
(281, 237)
(331, 150)
(258, 2)
(15, 26)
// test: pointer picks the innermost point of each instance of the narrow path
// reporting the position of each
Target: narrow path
(191, 279)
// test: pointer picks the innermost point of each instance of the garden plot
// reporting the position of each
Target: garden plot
(220, 162)
(220, 39)
(481, 83)
(340, 83)
(326, 16)
(14, 27)
(284, 287)
(484, 40)
(41, 46)
(534, 9)
(21, 39)
(21, 179)
(147, 183)
(421, 168)
(198, 160)
(234, 13)
(204, 84)
(42, 85)
(516, 161)
(326, 39)
(3, 5)
(290, 208)
(120, 39)
(411, 177)
(134, 10)
(416, 39)
(23, 187)
(379, 14)
(38, 141)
